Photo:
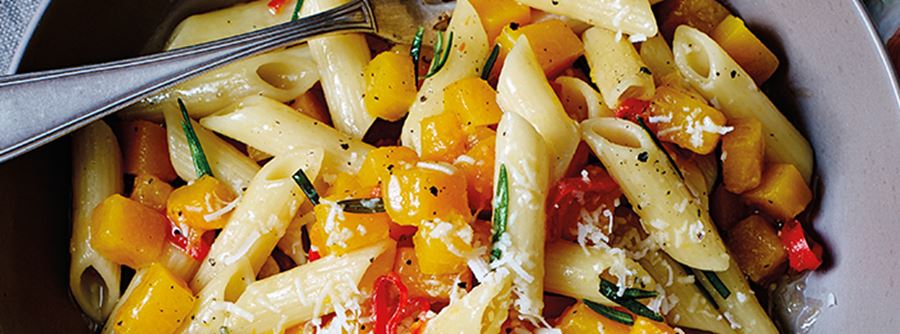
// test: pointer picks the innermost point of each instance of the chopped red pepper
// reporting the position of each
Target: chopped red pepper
(387, 318)
(592, 189)
(314, 255)
(800, 255)
(276, 5)
(630, 109)
(191, 241)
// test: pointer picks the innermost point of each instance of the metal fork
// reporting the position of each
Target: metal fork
(37, 108)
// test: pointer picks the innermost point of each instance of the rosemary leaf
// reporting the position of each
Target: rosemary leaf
(717, 283)
(296, 15)
(201, 165)
(489, 65)
(416, 51)
(610, 313)
(501, 209)
(362, 205)
(442, 47)
(610, 291)
(306, 185)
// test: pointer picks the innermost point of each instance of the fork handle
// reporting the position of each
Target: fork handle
(36, 108)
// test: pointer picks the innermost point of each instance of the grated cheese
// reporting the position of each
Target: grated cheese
(437, 166)
(216, 215)
(464, 159)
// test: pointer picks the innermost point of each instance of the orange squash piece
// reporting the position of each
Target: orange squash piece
(443, 139)
(126, 232)
(442, 246)
(144, 150)
(151, 192)
(158, 304)
(381, 162)
(579, 318)
(646, 326)
(682, 118)
(704, 15)
(478, 166)
(496, 14)
(782, 193)
(746, 49)
(199, 204)
(426, 192)
(390, 85)
(553, 42)
(434, 287)
(338, 232)
(743, 155)
(757, 249)
(473, 101)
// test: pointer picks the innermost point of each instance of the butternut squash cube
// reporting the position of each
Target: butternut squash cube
(782, 193)
(478, 166)
(680, 117)
(426, 192)
(704, 15)
(442, 246)
(579, 319)
(434, 287)
(390, 85)
(443, 139)
(758, 250)
(726, 208)
(158, 303)
(151, 192)
(747, 50)
(345, 186)
(552, 41)
(201, 204)
(743, 155)
(646, 326)
(144, 150)
(338, 232)
(496, 14)
(126, 232)
(380, 163)
(474, 101)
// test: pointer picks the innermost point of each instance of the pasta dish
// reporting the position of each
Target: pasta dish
(537, 166)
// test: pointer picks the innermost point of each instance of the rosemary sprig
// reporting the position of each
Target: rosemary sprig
(440, 59)
(416, 51)
(296, 14)
(362, 205)
(489, 65)
(201, 165)
(501, 209)
(717, 283)
(702, 288)
(632, 293)
(306, 185)
(610, 313)
(610, 291)
(660, 145)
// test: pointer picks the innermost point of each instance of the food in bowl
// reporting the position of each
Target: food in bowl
(558, 168)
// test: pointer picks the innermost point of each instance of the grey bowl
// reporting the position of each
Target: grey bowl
(834, 82)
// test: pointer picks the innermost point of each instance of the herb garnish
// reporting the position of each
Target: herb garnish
(610, 291)
(632, 293)
(660, 145)
(416, 51)
(501, 209)
(362, 205)
(489, 65)
(717, 283)
(610, 313)
(439, 60)
(306, 185)
(201, 165)
(296, 15)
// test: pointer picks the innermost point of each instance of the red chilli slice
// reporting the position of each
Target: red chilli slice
(800, 255)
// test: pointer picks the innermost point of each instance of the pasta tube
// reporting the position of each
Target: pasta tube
(576, 272)
(466, 28)
(481, 311)
(523, 89)
(524, 154)
(227, 22)
(576, 88)
(721, 80)
(675, 219)
(632, 17)
(96, 174)
(262, 216)
(740, 307)
(215, 302)
(616, 67)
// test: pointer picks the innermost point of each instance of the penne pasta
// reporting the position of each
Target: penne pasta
(730, 89)
(523, 89)
(262, 216)
(275, 128)
(227, 22)
(481, 311)
(616, 67)
(657, 55)
(96, 174)
(466, 28)
(675, 219)
(342, 58)
(307, 292)
(227, 163)
(631, 17)
(292, 241)
(573, 87)
(215, 301)
(524, 154)
(281, 75)
(576, 271)
(740, 308)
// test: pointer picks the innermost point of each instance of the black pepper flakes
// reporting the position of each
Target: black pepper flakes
(643, 156)
(646, 70)
(433, 190)
(345, 146)
(733, 74)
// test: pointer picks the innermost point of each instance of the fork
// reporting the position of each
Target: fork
(36, 108)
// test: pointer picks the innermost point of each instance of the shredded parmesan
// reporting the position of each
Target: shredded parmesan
(464, 159)
(216, 215)
(439, 167)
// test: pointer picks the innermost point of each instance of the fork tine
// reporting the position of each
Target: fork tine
(397, 20)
